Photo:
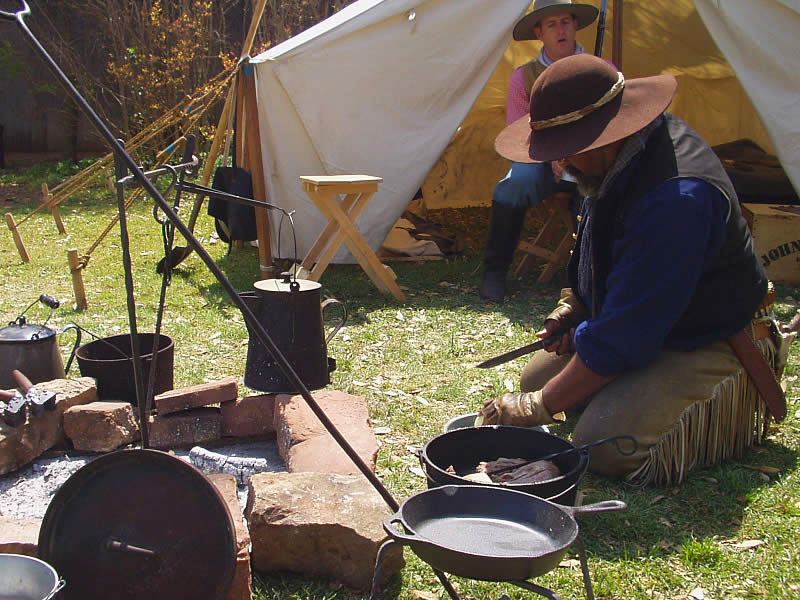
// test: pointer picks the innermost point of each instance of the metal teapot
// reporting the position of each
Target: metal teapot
(33, 349)
(291, 311)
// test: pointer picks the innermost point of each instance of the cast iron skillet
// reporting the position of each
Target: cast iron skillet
(464, 448)
(488, 533)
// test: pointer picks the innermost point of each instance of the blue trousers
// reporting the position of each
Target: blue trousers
(527, 185)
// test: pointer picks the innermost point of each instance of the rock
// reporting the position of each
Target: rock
(322, 524)
(306, 445)
(196, 396)
(249, 417)
(20, 445)
(188, 428)
(241, 586)
(101, 426)
(19, 536)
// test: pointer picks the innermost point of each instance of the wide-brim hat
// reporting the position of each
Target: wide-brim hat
(579, 103)
(584, 13)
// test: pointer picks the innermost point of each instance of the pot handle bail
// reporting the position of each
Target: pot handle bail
(74, 346)
(341, 323)
(59, 586)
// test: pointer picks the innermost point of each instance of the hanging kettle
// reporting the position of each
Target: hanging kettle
(291, 311)
(33, 349)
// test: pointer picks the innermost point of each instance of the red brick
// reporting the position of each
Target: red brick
(19, 536)
(241, 586)
(195, 396)
(188, 428)
(250, 416)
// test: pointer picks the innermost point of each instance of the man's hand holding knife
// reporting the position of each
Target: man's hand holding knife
(528, 409)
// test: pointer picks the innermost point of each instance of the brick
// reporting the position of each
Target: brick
(189, 428)
(196, 396)
(241, 586)
(248, 417)
(19, 536)
(306, 445)
(101, 426)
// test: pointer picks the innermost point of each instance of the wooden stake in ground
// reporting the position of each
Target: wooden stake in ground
(75, 269)
(49, 201)
(23, 253)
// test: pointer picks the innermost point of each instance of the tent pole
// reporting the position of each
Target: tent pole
(222, 125)
(248, 129)
(616, 46)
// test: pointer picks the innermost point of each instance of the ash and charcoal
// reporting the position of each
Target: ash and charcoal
(26, 493)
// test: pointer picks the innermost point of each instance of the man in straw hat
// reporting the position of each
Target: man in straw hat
(555, 23)
(665, 284)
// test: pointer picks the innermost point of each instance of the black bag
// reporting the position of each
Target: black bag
(233, 221)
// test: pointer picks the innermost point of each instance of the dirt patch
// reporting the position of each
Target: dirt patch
(16, 194)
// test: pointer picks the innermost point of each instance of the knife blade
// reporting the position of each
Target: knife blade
(522, 350)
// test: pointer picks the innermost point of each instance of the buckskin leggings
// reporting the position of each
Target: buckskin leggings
(685, 409)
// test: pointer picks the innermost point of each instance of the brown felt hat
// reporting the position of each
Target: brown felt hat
(580, 103)
(584, 13)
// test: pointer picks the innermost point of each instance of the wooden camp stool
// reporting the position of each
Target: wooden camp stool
(559, 215)
(357, 190)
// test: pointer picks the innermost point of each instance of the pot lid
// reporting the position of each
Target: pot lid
(25, 333)
(279, 285)
(139, 524)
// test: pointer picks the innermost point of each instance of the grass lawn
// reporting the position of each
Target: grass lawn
(728, 532)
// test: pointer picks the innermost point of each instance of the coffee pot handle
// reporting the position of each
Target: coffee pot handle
(341, 323)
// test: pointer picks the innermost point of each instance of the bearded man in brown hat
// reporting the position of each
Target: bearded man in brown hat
(664, 340)
(554, 23)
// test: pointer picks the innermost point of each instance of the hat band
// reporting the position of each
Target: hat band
(576, 115)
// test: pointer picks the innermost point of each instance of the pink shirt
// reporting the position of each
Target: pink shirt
(517, 103)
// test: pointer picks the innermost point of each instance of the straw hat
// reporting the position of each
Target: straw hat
(579, 103)
(584, 13)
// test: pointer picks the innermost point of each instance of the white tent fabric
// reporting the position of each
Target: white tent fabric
(377, 89)
(414, 92)
(759, 40)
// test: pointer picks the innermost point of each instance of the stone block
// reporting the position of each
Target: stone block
(19, 536)
(305, 444)
(241, 586)
(188, 428)
(20, 445)
(249, 417)
(322, 524)
(196, 396)
(101, 426)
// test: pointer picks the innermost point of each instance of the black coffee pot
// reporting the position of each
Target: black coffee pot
(291, 311)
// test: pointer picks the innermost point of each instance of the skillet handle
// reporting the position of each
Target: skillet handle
(395, 533)
(597, 507)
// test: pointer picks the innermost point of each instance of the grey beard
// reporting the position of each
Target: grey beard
(588, 185)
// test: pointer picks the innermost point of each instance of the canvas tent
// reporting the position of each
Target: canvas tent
(414, 91)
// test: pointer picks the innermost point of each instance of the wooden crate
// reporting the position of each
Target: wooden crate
(776, 233)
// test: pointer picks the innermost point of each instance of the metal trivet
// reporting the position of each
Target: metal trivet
(531, 587)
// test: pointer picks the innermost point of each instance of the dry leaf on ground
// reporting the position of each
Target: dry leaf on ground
(745, 545)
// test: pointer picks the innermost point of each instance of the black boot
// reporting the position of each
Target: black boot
(505, 227)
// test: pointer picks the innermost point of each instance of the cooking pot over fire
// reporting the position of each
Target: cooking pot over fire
(33, 349)
(291, 311)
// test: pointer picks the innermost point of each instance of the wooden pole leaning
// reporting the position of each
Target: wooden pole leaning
(49, 200)
(23, 252)
(75, 269)
(222, 125)
(248, 128)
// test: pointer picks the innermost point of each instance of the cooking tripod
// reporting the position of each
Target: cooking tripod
(531, 587)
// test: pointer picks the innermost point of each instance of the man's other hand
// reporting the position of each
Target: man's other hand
(523, 410)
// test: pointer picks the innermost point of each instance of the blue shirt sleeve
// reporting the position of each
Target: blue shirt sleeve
(671, 236)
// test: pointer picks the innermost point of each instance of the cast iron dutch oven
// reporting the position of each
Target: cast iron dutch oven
(487, 533)
(464, 448)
